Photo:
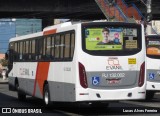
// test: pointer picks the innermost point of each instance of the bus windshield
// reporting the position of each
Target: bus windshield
(118, 40)
(153, 46)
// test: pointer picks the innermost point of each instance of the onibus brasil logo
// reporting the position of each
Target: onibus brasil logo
(113, 64)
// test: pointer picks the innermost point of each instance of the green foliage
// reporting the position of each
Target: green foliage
(4, 62)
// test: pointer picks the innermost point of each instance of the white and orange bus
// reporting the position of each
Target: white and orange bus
(152, 65)
(83, 62)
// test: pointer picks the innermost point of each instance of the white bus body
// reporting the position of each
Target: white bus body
(152, 65)
(82, 70)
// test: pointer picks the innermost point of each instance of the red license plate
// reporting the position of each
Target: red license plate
(113, 81)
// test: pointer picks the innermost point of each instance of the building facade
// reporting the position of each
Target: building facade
(16, 27)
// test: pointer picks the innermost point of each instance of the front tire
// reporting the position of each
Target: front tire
(20, 94)
(46, 96)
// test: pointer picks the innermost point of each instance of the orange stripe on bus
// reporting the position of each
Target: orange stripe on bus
(50, 32)
(41, 75)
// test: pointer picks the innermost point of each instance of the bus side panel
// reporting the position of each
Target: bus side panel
(57, 94)
(153, 74)
(153, 86)
(69, 79)
(62, 76)
(33, 86)
(18, 73)
(11, 82)
(60, 81)
(55, 80)
(26, 76)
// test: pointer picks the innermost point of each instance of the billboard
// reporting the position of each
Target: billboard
(104, 39)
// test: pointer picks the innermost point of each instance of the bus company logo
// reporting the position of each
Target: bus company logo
(113, 63)
(6, 110)
(21, 110)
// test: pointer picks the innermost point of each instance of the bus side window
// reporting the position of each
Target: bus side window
(30, 50)
(27, 50)
(62, 47)
(40, 48)
(67, 46)
(48, 48)
(18, 51)
(33, 50)
(72, 44)
(44, 49)
(52, 47)
(24, 50)
(15, 52)
(57, 46)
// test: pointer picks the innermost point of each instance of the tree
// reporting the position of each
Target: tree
(4, 62)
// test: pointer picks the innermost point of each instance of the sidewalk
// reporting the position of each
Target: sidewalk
(3, 81)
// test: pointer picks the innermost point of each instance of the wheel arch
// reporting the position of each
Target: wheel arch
(15, 83)
(45, 83)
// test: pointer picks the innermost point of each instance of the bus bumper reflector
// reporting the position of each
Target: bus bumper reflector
(83, 93)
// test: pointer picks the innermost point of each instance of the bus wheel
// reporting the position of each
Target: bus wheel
(21, 95)
(46, 96)
(149, 95)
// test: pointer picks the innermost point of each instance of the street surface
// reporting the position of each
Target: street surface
(8, 99)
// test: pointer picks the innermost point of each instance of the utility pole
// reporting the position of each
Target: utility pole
(149, 16)
(149, 10)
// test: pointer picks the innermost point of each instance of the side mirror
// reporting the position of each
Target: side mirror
(149, 17)
(6, 56)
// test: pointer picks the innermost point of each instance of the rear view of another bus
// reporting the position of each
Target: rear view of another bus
(111, 69)
(152, 65)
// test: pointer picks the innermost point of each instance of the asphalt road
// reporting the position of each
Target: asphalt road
(8, 99)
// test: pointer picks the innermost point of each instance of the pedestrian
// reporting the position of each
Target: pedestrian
(4, 74)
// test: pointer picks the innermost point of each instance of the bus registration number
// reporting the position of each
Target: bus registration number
(113, 75)
(117, 75)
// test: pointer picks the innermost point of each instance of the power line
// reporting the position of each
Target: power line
(143, 2)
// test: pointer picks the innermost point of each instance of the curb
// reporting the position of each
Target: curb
(3, 81)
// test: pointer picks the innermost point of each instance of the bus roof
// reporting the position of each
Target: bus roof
(57, 26)
(38, 34)
(53, 29)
